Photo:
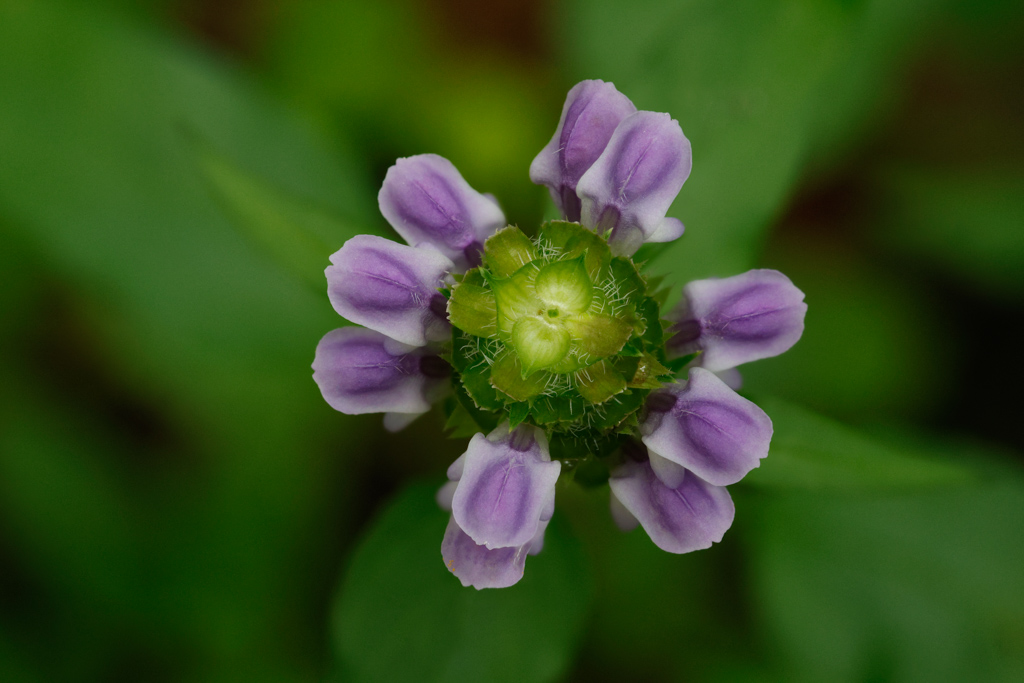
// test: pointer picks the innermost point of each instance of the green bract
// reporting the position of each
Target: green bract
(557, 332)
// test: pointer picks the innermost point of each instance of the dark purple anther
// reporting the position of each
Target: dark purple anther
(474, 254)
(634, 450)
(439, 305)
(661, 401)
(435, 367)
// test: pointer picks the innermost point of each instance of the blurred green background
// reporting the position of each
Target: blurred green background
(178, 503)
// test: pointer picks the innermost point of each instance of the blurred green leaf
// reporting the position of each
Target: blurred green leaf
(813, 452)
(87, 528)
(403, 81)
(657, 616)
(969, 222)
(749, 83)
(875, 346)
(296, 234)
(924, 587)
(401, 616)
(173, 310)
(94, 169)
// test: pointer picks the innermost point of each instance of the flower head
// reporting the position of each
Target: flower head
(553, 342)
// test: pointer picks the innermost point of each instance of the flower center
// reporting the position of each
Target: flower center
(550, 329)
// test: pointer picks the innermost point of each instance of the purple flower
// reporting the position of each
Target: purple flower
(635, 180)
(507, 487)
(698, 437)
(614, 169)
(427, 201)
(681, 515)
(738, 319)
(706, 427)
(592, 111)
(392, 288)
(546, 330)
(362, 371)
(501, 495)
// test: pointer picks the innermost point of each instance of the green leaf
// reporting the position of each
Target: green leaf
(474, 370)
(549, 410)
(507, 377)
(514, 297)
(517, 412)
(813, 452)
(570, 240)
(615, 410)
(634, 348)
(401, 616)
(576, 360)
(484, 419)
(574, 447)
(967, 222)
(598, 335)
(286, 228)
(647, 372)
(508, 250)
(599, 382)
(937, 572)
(649, 312)
(631, 285)
(565, 286)
(538, 343)
(472, 310)
(676, 365)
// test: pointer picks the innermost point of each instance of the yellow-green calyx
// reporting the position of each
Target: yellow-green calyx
(556, 331)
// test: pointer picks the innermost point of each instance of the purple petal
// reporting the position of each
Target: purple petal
(634, 182)
(707, 428)
(396, 422)
(689, 517)
(477, 566)
(667, 230)
(455, 469)
(732, 378)
(622, 517)
(738, 319)
(507, 485)
(537, 544)
(592, 111)
(390, 288)
(445, 494)
(670, 473)
(362, 371)
(426, 200)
